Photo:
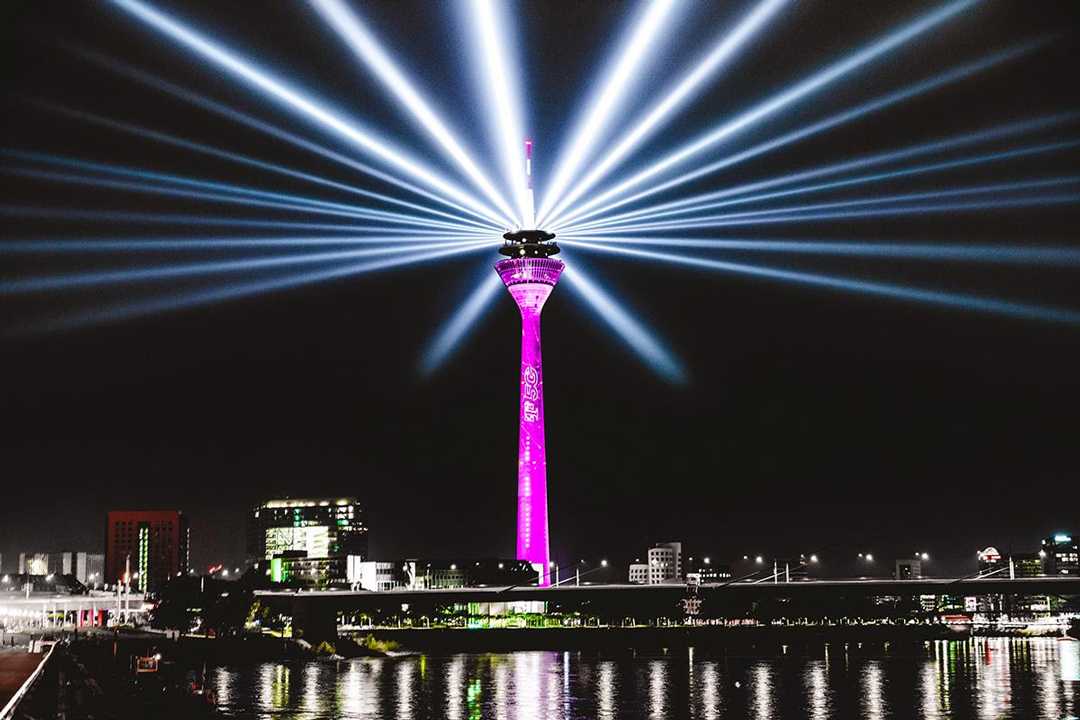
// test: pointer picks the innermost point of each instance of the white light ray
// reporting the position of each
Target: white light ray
(744, 192)
(492, 37)
(607, 103)
(1053, 256)
(806, 211)
(75, 281)
(112, 244)
(897, 292)
(366, 47)
(165, 138)
(293, 139)
(346, 129)
(119, 216)
(854, 113)
(231, 199)
(725, 49)
(614, 312)
(803, 89)
(454, 331)
(204, 297)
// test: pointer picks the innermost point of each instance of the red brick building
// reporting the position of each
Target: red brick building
(152, 543)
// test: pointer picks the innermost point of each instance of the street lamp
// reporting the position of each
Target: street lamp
(869, 557)
(924, 556)
(759, 559)
(813, 558)
(603, 563)
(707, 561)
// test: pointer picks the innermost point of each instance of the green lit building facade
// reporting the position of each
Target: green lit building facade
(307, 539)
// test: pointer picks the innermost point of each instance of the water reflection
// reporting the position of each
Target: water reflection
(966, 680)
(818, 695)
(605, 689)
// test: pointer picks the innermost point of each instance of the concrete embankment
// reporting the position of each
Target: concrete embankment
(765, 639)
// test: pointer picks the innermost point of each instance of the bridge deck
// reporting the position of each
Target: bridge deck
(16, 666)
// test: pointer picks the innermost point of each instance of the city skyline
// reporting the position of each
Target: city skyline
(807, 418)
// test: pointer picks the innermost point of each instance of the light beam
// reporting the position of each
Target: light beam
(182, 301)
(998, 254)
(165, 138)
(287, 95)
(363, 43)
(780, 101)
(939, 298)
(725, 48)
(76, 281)
(614, 313)
(492, 36)
(952, 143)
(607, 102)
(457, 327)
(745, 194)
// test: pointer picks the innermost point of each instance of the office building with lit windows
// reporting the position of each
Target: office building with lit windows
(307, 539)
(146, 548)
(1061, 555)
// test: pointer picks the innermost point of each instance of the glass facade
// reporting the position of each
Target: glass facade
(298, 532)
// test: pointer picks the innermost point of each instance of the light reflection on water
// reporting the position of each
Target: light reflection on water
(984, 678)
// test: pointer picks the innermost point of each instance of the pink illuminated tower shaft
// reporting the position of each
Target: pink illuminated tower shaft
(530, 281)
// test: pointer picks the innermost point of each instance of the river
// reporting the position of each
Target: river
(980, 678)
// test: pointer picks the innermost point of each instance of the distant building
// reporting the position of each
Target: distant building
(325, 531)
(372, 575)
(639, 573)
(146, 548)
(1061, 555)
(990, 559)
(665, 563)
(713, 573)
(33, 563)
(1026, 565)
(908, 569)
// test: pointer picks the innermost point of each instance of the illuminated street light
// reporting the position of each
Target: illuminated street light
(759, 559)
(707, 561)
(924, 556)
(603, 563)
(813, 558)
(869, 557)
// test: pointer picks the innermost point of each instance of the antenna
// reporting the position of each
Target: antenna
(530, 205)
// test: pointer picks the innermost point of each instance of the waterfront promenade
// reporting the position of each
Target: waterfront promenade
(16, 667)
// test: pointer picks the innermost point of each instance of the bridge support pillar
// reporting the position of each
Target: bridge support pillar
(314, 620)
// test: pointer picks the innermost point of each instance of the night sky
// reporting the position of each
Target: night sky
(812, 420)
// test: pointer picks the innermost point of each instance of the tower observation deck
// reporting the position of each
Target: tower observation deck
(530, 274)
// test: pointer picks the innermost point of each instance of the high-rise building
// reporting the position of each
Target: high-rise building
(307, 536)
(665, 563)
(1061, 555)
(146, 548)
(530, 274)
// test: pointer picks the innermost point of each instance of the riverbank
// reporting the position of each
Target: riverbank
(767, 639)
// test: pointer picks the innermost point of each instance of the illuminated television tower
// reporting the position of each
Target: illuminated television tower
(530, 274)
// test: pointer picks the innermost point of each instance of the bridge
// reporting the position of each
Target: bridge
(315, 612)
(43, 610)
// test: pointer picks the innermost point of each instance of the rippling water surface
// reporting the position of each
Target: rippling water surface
(982, 678)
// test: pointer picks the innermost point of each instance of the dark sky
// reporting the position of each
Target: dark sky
(812, 420)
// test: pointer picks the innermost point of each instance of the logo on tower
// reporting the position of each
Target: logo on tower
(530, 391)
